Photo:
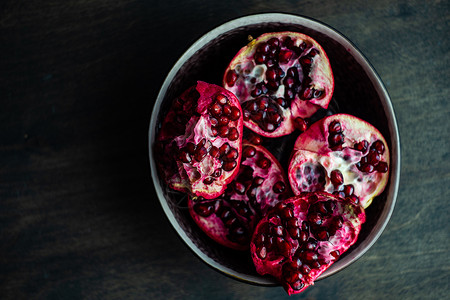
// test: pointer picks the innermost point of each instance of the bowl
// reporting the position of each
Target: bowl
(358, 91)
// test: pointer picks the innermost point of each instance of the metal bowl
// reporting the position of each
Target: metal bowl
(358, 91)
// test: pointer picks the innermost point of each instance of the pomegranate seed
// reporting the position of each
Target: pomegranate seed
(283, 247)
(336, 178)
(285, 56)
(257, 181)
(306, 269)
(223, 131)
(233, 134)
(214, 132)
(307, 94)
(251, 106)
(263, 102)
(208, 180)
(335, 127)
(348, 189)
(311, 256)
(226, 110)
(217, 173)
(378, 146)
(214, 122)
(200, 153)
(239, 188)
(259, 58)
(361, 146)
(278, 230)
(335, 254)
(230, 165)
(323, 235)
(223, 120)
(315, 218)
(221, 99)
(273, 85)
(231, 77)
(224, 149)
(303, 236)
(190, 148)
(367, 168)
(256, 92)
(289, 82)
(382, 167)
(201, 143)
(279, 187)
(214, 151)
(305, 60)
(261, 252)
(305, 226)
(235, 113)
(260, 239)
(231, 155)
(292, 223)
(185, 157)
(255, 139)
(274, 42)
(288, 42)
(263, 163)
(311, 244)
(263, 48)
(269, 127)
(215, 110)
(313, 52)
(204, 209)
(298, 285)
(248, 152)
(292, 72)
(301, 124)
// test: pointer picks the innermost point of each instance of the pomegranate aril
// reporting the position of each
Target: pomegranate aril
(335, 254)
(378, 146)
(382, 167)
(231, 77)
(229, 165)
(248, 152)
(257, 181)
(221, 99)
(208, 180)
(233, 134)
(305, 60)
(185, 157)
(216, 110)
(279, 187)
(362, 146)
(263, 48)
(224, 149)
(223, 131)
(232, 155)
(285, 56)
(261, 252)
(335, 127)
(307, 94)
(200, 153)
(235, 113)
(214, 152)
(323, 235)
(259, 58)
(190, 148)
(263, 163)
(226, 110)
(217, 173)
(367, 168)
(301, 124)
(310, 256)
(204, 209)
(315, 219)
(336, 178)
(348, 189)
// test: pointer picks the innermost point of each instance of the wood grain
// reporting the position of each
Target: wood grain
(79, 218)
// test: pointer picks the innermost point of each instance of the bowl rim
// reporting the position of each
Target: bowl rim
(288, 18)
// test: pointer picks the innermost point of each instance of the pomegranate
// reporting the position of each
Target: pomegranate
(200, 140)
(340, 154)
(301, 237)
(280, 78)
(230, 218)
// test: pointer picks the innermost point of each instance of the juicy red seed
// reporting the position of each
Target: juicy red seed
(223, 131)
(185, 157)
(204, 209)
(283, 247)
(288, 42)
(289, 82)
(248, 152)
(214, 132)
(231, 77)
(339, 194)
(260, 239)
(303, 236)
(268, 127)
(382, 167)
(285, 56)
(200, 153)
(271, 74)
(263, 163)
(335, 254)
(311, 244)
(315, 218)
(238, 234)
(335, 127)
(336, 139)
(292, 223)
(275, 119)
(259, 58)
(287, 212)
(256, 92)
(293, 277)
(278, 230)
(208, 180)
(257, 181)
(318, 94)
(348, 189)
(310, 256)
(306, 269)
(226, 110)
(214, 151)
(221, 99)
(307, 93)
(274, 42)
(251, 106)
(292, 72)
(305, 226)
(201, 143)
(261, 252)
(338, 222)
(255, 139)
(235, 113)
(305, 60)
(239, 188)
(262, 102)
(217, 173)
(223, 120)
(214, 121)
(378, 146)
(279, 187)
(301, 124)
(233, 134)
(231, 155)
(353, 199)
(373, 157)
(298, 285)
(336, 178)
(190, 148)
(224, 149)
(263, 48)
(323, 235)
(362, 146)
(215, 109)
(230, 165)
(367, 168)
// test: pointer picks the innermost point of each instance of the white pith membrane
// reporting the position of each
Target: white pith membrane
(250, 73)
(353, 217)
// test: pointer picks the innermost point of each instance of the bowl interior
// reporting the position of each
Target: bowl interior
(358, 91)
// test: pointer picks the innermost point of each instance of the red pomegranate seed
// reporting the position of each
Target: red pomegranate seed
(279, 187)
(221, 99)
(217, 173)
(382, 167)
(263, 48)
(208, 180)
(235, 113)
(367, 168)
(185, 157)
(257, 181)
(232, 155)
(263, 163)
(336, 178)
(223, 131)
(239, 188)
(348, 189)
(190, 148)
(378, 146)
(259, 58)
(224, 149)
(262, 252)
(233, 134)
(204, 209)
(200, 153)
(230, 165)
(301, 124)
(335, 127)
(285, 56)
(362, 146)
(215, 110)
(231, 77)
(248, 152)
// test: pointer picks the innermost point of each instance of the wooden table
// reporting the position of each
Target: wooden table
(79, 218)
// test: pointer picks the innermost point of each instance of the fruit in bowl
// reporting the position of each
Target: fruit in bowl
(306, 105)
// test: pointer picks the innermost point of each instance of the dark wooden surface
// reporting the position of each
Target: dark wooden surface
(79, 218)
